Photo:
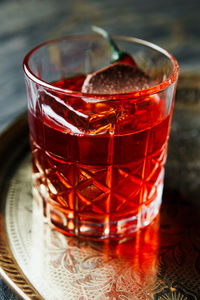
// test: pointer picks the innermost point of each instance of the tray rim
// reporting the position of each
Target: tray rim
(10, 272)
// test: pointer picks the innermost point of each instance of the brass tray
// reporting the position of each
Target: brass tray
(161, 262)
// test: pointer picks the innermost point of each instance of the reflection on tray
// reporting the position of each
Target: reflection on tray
(160, 262)
(100, 270)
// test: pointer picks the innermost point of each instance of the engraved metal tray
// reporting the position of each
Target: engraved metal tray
(160, 262)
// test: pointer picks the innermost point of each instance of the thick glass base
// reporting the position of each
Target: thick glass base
(84, 226)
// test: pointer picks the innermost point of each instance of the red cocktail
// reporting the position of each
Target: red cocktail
(98, 160)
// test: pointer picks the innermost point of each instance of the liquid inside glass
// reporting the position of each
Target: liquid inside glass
(98, 168)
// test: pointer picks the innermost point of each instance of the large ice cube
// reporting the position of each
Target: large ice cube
(117, 78)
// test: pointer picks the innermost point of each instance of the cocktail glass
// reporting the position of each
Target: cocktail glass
(98, 159)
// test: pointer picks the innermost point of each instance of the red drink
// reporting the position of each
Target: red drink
(98, 166)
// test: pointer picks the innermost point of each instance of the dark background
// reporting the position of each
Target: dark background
(172, 24)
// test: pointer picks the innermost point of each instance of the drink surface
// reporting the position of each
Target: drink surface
(98, 163)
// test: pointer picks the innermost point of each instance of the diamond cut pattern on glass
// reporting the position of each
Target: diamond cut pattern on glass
(130, 183)
(103, 190)
(92, 191)
(59, 181)
(137, 183)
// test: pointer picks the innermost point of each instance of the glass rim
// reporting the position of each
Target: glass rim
(134, 94)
